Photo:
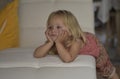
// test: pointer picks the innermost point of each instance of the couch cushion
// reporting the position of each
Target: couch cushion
(48, 73)
(18, 63)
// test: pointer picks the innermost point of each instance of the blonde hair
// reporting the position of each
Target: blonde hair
(71, 22)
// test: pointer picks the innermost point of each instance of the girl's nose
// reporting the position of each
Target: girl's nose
(53, 30)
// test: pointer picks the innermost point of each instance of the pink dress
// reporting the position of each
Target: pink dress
(95, 48)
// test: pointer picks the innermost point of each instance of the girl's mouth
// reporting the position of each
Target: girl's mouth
(53, 35)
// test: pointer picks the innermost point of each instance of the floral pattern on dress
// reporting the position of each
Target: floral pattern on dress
(95, 48)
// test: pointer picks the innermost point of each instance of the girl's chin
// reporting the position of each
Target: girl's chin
(54, 38)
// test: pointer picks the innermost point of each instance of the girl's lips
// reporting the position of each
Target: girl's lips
(53, 35)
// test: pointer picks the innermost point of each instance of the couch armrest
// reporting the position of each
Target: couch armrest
(23, 57)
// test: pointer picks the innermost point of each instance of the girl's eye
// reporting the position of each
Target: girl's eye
(58, 27)
(50, 27)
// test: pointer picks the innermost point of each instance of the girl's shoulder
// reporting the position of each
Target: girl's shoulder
(90, 47)
(90, 35)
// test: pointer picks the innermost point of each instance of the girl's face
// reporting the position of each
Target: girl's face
(55, 26)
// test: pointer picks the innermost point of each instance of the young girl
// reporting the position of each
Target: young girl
(66, 39)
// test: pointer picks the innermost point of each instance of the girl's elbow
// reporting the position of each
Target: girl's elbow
(38, 56)
(68, 60)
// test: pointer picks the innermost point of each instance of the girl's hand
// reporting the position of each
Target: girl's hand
(48, 37)
(62, 35)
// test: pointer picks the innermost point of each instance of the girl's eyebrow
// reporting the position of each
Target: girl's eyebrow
(51, 25)
(55, 25)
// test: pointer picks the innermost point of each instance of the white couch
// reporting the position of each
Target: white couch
(19, 63)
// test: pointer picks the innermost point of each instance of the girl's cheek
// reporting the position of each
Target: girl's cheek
(60, 30)
(57, 33)
(48, 32)
(69, 34)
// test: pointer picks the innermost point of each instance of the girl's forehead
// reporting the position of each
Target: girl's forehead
(57, 20)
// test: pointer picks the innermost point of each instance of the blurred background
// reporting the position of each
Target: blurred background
(107, 26)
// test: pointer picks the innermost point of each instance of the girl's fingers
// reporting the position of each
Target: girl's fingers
(47, 35)
(46, 32)
(62, 35)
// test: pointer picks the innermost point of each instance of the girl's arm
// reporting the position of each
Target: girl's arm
(43, 50)
(67, 54)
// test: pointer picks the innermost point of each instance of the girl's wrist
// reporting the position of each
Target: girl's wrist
(58, 43)
(51, 43)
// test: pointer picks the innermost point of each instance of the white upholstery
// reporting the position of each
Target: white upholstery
(19, 63)
(23, 57)
(48, 73)
(34, 13)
